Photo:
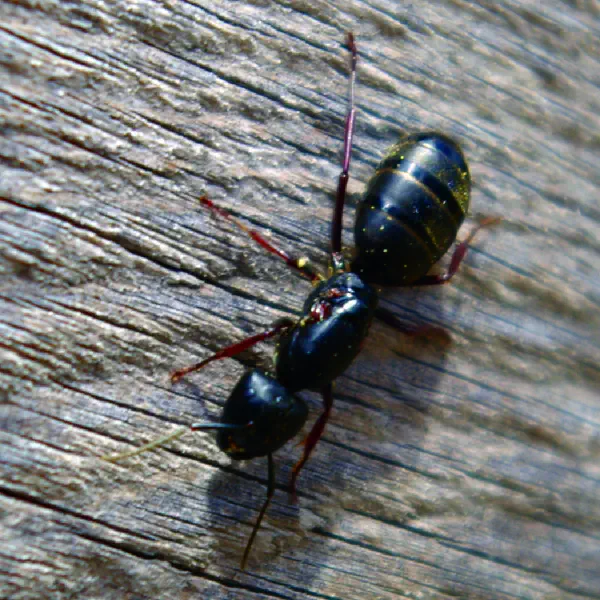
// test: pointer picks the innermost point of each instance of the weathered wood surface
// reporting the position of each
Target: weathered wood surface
(471, 472)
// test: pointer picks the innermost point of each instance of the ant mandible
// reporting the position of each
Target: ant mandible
(409, 217)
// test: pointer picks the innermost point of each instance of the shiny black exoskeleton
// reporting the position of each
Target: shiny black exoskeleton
(412, 209)
(269, 416)
(408, 218)
(326, 339)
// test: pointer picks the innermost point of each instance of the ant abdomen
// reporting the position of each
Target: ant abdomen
(412, 209)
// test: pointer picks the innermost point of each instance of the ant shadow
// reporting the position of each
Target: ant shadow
(373, 448)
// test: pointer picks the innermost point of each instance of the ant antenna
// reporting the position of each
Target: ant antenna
(171, 436)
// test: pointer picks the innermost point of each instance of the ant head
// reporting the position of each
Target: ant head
(271, 414)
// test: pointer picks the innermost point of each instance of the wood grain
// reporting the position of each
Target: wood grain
(471, 471)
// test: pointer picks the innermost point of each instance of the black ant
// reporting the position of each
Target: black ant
(409, 217)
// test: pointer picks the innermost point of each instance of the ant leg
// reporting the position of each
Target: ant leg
(234, 349)
(337, 259)
(314, 436)
(457, 257)
(427, 331)
(263, 510)
(302, 265)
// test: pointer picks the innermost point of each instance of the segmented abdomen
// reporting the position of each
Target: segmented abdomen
(411, 210)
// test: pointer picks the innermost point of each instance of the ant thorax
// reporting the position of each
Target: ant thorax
(329, 334)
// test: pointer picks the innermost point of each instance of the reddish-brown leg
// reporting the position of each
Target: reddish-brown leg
(263, 510)
(298, 264)
(229, 351)
(337, 259)
(457, 257)
(314, 436)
